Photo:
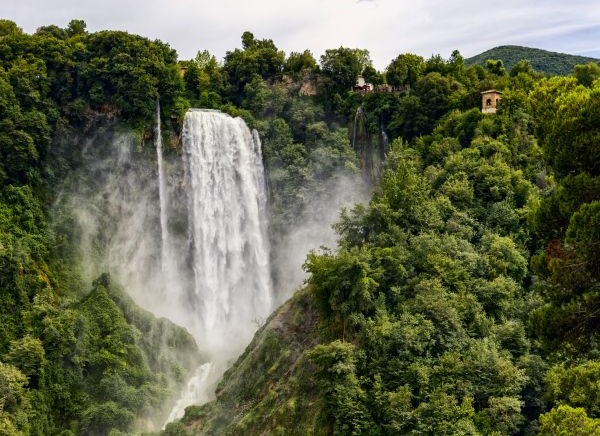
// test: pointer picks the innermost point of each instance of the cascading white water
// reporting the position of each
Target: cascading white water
(196, 391)
(227, 206)
(208, 270)
(162, 195)
(231, 292)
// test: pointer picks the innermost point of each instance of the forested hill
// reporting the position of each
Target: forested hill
(77, 356)
(462, 298)
(549, 62)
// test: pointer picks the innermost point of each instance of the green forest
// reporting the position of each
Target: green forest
(548, 62)
(462, 299)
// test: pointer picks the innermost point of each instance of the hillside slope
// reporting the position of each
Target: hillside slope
(549, 62)
(271, 389)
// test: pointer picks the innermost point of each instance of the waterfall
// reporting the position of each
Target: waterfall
(186, 238)
(361, 143)
(385, 142)
(371, 157)
(196, 392)
(162, 196)
(227, 207)
(231, 290)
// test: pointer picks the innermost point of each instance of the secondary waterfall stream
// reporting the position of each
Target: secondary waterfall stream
(162, 196)
(231, 290)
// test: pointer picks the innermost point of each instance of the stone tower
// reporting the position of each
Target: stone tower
(489, 101)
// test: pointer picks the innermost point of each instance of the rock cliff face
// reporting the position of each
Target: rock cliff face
(271, 389)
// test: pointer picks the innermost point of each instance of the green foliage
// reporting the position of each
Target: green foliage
(550, 218)
(428, 318)
(14, 401)
(584, 234)
(405, 70)
(340, 68)
(545, 61)
(434, 94)
(587, 74)
(27, 354)
(73, 362)
(204, 81)
(568, 421)
(300, 63)
(372, 76)
(567, 216)
(428, 286)
(123, 73)
(523, 66)
(8, 27)
(346, 283)
(259, 57)
(495, 66)
(578, 386)
(569, 135)
(341, 387)
(99, 419)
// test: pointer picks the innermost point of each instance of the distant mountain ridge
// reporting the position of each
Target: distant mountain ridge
(549, 62)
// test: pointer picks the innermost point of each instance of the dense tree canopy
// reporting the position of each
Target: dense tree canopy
(462, 298)
(405, 70)
(340, 68)
(259, 57)
(71, 357)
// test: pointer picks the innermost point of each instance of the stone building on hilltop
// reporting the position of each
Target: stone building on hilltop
(489, 101)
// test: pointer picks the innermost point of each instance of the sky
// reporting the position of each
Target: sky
(384, 27)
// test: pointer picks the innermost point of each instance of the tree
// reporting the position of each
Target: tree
(337, 365)
(256, 96)
(364, 58)
(345, 283)
(14, 401)
(8, 27)
(341, 67)
(544, 99)
(371, 75)
(27, 354)
(76, 27)
(456, 65)
(248, 41)
(523, 66)
(568, 124)
(583, 233)
(258, 57)
(101, 418)
(123, 73)
(52, 31)
(436, 64)
(436, 95)
(405, 70)
(495, 66)
(409, 120)
(577, 386)
(566, 115)
(587, 74)
(568, 421)
(297, 63)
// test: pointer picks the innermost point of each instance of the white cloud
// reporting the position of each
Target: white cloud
(384, 27)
